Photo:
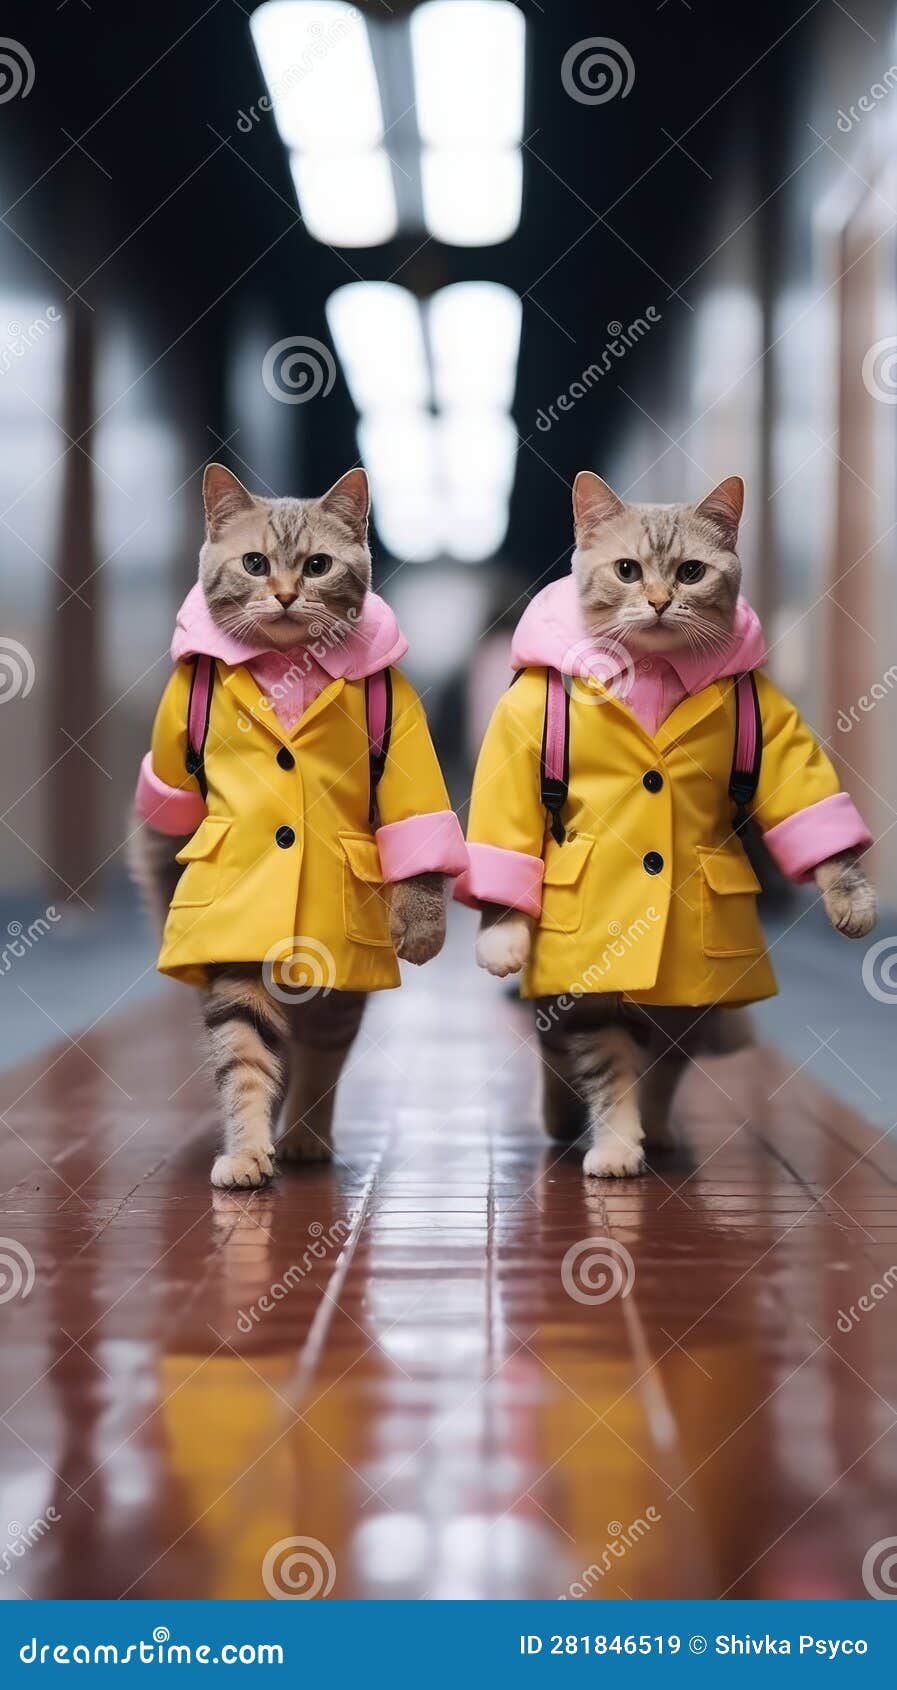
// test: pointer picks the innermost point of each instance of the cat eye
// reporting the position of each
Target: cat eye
(627, 569)
(256, 563)
(690, 572)
(319, 564)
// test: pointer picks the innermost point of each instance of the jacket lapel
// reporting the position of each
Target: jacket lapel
(689, 713)
(252, 702)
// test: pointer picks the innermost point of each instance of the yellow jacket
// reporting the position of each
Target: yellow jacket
(283, 864)
(651, 893)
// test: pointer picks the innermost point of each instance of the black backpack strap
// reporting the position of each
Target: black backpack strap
(554, 761)
(378, 717)
(747, 753)
(199, 711)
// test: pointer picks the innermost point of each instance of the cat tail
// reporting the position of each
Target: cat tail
(152, 866)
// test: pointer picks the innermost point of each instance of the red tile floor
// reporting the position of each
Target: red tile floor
(384, 1356)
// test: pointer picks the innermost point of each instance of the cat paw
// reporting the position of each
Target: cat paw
(851, 912)
(419, 941)
(304, 1146)
(614, 1161)
(504, 948)
(246, 1167)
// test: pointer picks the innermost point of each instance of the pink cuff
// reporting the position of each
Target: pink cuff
(802, 841)
(167, 808)
(431, 844)
(495, 876)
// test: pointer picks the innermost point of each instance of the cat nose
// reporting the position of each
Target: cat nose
(286, 599)
(659, 605)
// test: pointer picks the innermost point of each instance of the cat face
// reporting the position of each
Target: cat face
(660, 577)
(285, 571)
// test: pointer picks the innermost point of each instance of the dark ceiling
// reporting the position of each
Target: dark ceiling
(134, 175)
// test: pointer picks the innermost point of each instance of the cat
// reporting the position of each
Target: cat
(283, 572)
(658, 580)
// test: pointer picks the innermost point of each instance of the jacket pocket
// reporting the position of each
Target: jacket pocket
(365, 906)
(563, 884)
(729, 887)
(202, 859)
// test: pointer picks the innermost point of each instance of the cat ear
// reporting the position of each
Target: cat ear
(350, 500)
(593, 501)
(223, 497)
(724, 507)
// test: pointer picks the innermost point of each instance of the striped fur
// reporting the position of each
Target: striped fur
(248, 1035)
(607, 1066)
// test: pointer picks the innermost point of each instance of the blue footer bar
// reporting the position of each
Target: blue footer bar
(470, 1643)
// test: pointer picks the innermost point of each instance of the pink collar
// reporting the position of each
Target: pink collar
(373, 641)
(551, 634)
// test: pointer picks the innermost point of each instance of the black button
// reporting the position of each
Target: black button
(286, 837)
(285, 758)
(652, 861)
(652, 781)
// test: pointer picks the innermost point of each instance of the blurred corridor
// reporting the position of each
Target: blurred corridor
(477, 247)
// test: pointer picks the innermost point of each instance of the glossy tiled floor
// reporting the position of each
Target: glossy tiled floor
(386, 1357)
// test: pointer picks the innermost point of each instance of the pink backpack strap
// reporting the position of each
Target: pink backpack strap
(378, 715)
(555, 758)
(747, 753)
(198, 712)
